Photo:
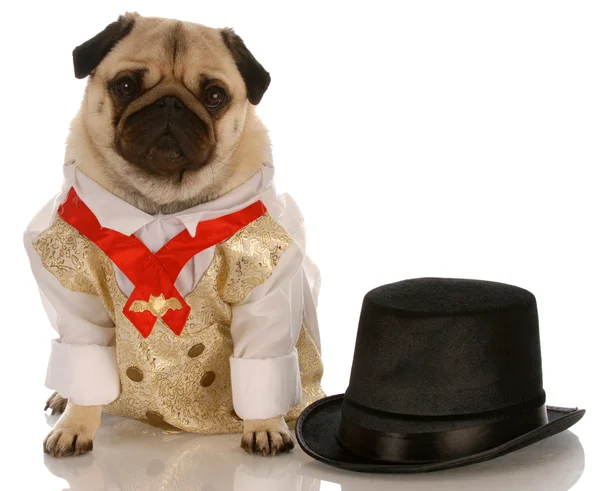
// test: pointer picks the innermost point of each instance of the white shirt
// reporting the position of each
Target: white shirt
(265, 325)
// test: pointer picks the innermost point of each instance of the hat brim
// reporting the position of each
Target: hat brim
(317, 426)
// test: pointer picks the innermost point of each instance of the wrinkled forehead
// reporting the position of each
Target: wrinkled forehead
(165, 48)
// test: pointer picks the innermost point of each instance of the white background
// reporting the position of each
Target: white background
(420, 138)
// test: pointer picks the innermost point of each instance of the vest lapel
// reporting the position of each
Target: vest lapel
(154, 275)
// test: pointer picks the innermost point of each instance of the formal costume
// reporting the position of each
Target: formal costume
(190, 321)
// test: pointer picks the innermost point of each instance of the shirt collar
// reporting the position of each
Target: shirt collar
(114, 213)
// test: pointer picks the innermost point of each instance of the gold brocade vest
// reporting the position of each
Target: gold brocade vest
(182, 382)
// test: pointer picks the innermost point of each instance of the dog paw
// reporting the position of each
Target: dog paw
(63, 442)
(267, 437)
(56, 403)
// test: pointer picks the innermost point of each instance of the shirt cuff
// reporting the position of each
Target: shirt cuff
(87, 374)
(265, 388)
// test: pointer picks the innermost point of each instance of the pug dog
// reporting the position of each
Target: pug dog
(168, 125)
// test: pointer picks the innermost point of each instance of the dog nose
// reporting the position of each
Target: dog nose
(170, 102)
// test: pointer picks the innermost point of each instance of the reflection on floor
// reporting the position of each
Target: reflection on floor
(129, 455)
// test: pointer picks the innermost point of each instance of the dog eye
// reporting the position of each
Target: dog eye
(214, 96)
(127, 87)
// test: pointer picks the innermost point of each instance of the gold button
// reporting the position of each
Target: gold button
(135, 374)
(154, 418)
(209, 378)
(196, 350)
(157, 420)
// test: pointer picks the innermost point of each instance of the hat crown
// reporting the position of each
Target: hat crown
(446, 347)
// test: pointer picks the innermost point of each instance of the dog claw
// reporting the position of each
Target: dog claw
(57, 403)
(66, 443)
(267, 442)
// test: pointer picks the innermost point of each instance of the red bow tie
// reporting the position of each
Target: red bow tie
(154, 275)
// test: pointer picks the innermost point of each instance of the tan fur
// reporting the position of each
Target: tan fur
(74, 432)
(175, 54)
(56, 403)
(238, 155)
(267, 436)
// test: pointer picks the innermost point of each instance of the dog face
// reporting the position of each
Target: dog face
(168, 114)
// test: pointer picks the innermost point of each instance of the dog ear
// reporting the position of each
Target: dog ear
(88, 56)
(257, 79)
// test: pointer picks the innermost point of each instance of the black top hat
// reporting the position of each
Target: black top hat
(446, 372)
